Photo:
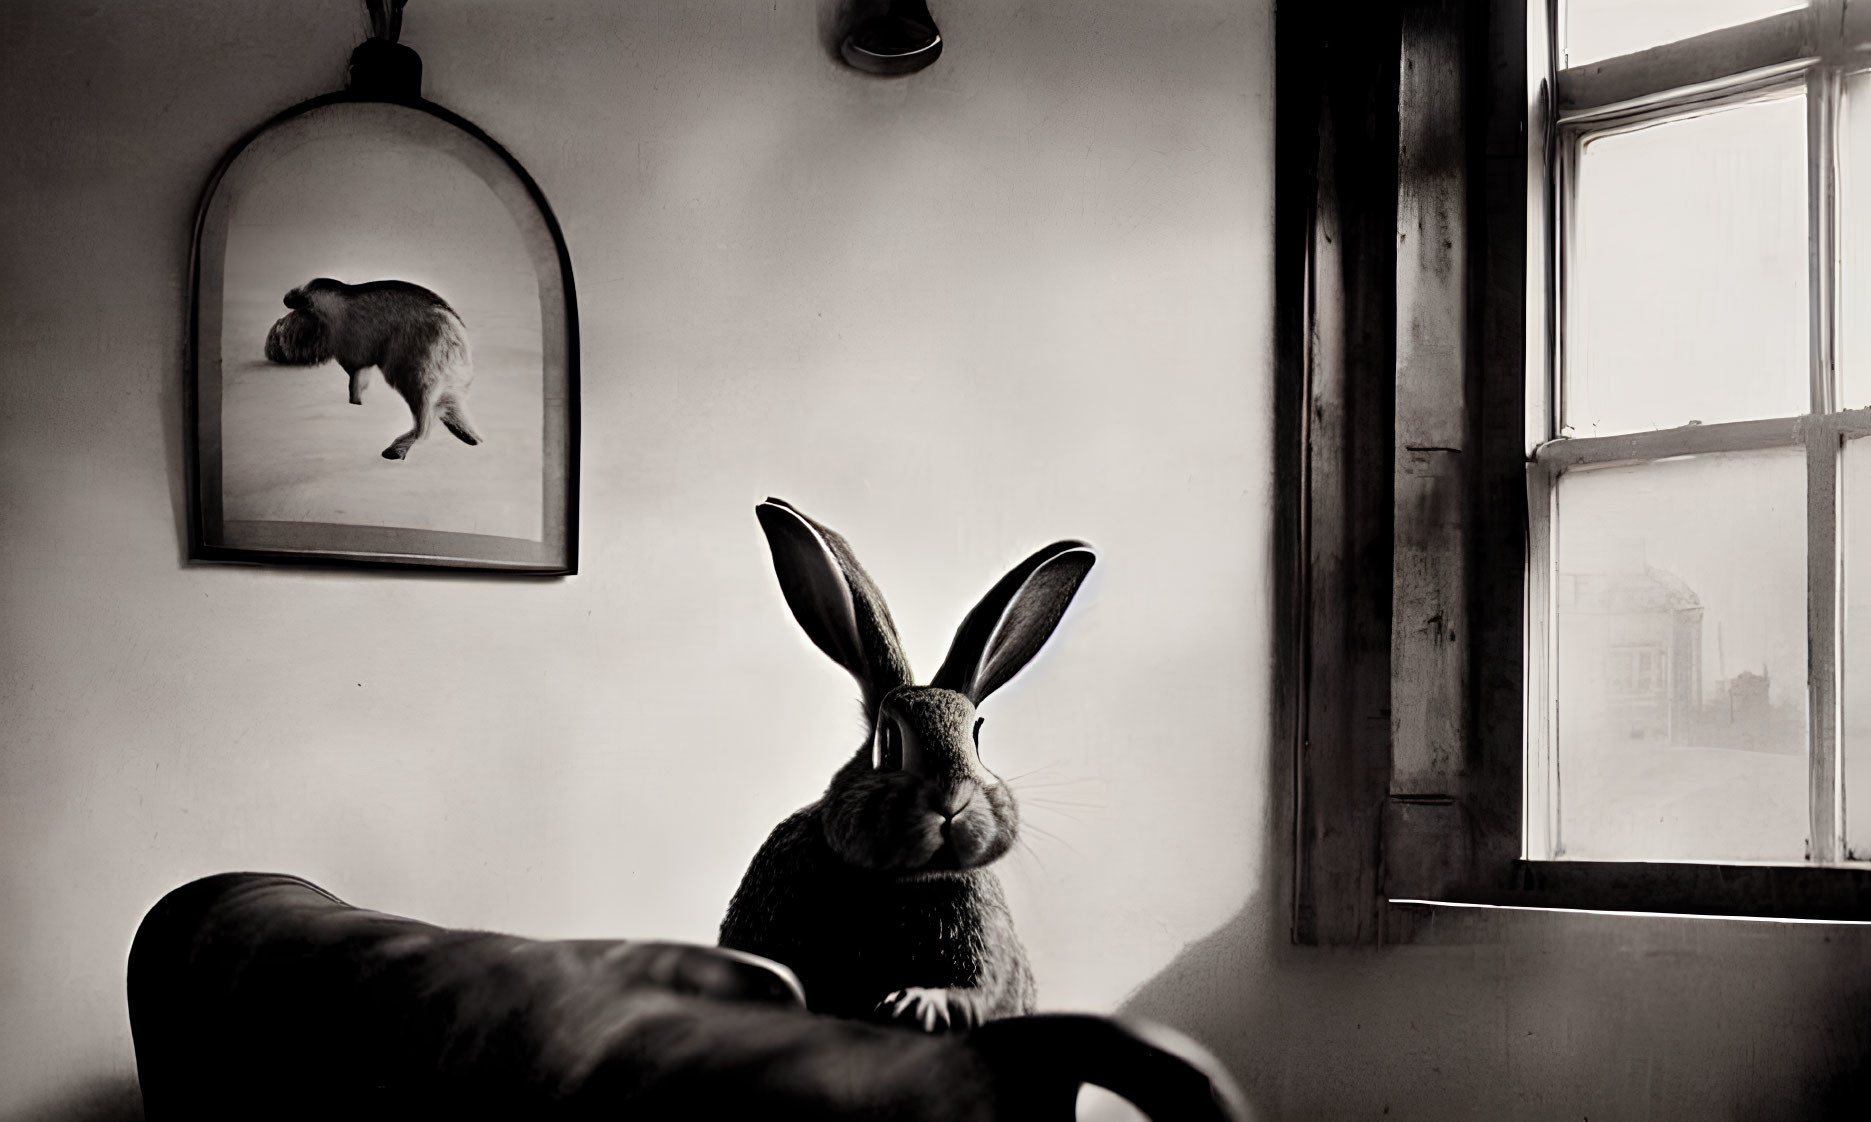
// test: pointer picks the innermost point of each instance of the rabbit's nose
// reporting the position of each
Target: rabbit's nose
(954, 800)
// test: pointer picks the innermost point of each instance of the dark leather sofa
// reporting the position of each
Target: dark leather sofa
(261, 996)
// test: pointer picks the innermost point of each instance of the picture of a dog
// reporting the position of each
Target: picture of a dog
(402, 329)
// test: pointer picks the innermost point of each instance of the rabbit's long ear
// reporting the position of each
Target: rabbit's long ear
(1010, 624)
(834, 600)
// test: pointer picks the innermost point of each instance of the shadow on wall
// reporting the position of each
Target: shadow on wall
(838, 17)
(112, 1099)
(1531, 1015)
(1214, 992)
(1837, 1082)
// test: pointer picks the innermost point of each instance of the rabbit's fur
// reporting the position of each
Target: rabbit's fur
(403, 329)
(879, 895)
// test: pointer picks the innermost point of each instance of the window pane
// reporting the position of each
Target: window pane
(1855, 647)
(1855, 243)
(1688, 293)
(1598, 29)
(1681, 598)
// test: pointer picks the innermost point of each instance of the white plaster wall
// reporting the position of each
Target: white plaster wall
(1024, 295)
(1021, 297)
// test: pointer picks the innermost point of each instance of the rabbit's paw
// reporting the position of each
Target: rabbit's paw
(932, 1010)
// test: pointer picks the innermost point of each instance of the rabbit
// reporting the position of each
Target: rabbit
(879, 895)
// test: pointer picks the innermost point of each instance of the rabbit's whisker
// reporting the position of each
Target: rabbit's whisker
(1052, 803)
(1047, 785)
(1028, 772)
(1047, 834)
(1063, 786)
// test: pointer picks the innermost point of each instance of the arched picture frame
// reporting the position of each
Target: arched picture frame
(384, 342)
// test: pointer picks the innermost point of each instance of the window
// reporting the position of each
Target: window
(1575, 344)
(1691, 500)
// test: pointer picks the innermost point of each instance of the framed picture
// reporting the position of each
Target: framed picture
(384, 348)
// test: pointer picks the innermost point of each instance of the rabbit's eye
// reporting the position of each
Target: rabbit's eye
(888, 754)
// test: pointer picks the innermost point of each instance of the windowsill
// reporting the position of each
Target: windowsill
(1809, 894)
(1433, 905)
(1431, 924)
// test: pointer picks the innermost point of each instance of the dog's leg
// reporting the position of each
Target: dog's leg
(454, 415)
(358, 377)
(424, 412)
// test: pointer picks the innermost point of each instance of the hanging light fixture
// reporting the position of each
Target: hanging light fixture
(901, 39)
(381, 67)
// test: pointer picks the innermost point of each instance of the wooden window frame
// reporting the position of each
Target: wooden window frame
(1417, 280)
